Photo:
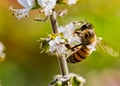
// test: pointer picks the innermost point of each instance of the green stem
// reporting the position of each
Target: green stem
(61, 58)
(54, 22)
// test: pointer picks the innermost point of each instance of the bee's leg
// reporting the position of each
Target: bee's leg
(76, 46)
(77, 31)
(72, 48)
(68, 46)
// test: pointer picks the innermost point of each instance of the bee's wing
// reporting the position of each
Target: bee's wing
(107, 49)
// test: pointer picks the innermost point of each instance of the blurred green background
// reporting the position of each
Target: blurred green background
(25, 66)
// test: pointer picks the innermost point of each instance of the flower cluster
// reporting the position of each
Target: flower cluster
(46, 5)
(65, 35)
(55, 43)
(73, 79)
(68, 33)
(20, 13)
(68, 37)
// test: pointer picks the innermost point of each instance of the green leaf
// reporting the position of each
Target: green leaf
(58, 83)
(74, 81)
(44, 46)
(55, 83)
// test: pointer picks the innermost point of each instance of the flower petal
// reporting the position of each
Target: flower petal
(68, 33)
(47, 5)
(70, 2)
(61, 48)
(52, 45)
(26, 3)
(61, 29)
(20, 13)
(59, 40)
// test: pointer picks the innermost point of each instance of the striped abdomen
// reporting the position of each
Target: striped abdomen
(78, 55)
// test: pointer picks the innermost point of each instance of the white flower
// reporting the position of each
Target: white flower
(61, 29)
(71, 78)
(61, 49)
(59, 46)
(75, 39)
(70, 2)
(47, 6)
(20, 13)
(68, 33)
(67, 30)
(59, 40)
(52, 45)
(56, 44)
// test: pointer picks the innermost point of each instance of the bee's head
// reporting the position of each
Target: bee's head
(86, 26)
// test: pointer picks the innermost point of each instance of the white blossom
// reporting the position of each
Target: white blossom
(20, 13)
(69, 30)
(70, 2)
(52, 45)
(56, 43)
(59, 40)
(68, 33)
(62, 49)
(47, 5)
(61, 29)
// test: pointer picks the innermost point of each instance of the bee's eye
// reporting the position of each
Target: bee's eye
(84, 27)
(86, 36)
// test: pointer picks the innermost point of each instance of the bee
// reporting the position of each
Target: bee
(88, 41)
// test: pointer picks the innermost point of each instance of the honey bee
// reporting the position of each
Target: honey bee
(88, 42)
(83, 50)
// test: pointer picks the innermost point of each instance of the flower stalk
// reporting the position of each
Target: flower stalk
(61, 58)
(55, 42)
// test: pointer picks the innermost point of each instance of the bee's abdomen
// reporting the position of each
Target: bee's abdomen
(78, 56)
